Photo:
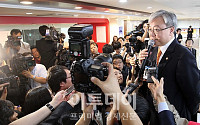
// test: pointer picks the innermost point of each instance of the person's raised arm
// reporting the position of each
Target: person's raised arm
(39, 115)
(111, 86)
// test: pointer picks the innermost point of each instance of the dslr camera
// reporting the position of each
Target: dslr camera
(84, 67)
(151, 71)
(52, 34)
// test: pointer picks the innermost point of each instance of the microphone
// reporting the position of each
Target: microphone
(141, 71)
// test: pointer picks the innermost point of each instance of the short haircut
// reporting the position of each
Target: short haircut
(116, 45)
(15, 31)
(126, 36)
(6, 111)
(169, 18)
(56, 75)
(117, 69)
(117, 56)
(31, 103)
(178, 29)
(33, 47)
(189, 39)
(42, 29)
(120, 38)
(107, 48)
(93, 43)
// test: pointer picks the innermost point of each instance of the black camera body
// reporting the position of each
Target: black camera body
(11, 42)
(19, 63)
(52, 34)
(83, 68)
(151, 71)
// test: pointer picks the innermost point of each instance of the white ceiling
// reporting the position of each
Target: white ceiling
(184, 9)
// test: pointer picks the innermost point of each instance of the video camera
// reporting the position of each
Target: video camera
(83, 68)
(19, 63)
(52, 34)
(11, 42)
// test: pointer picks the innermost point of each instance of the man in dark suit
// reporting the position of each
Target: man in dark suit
(188, 44)
(189, 31)
(46, 48)
(175, 63)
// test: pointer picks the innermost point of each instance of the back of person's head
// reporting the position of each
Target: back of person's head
(35, 99)
(169, 18)
(116, 45)
(6, 111)
(42, 29)
(56, 75)
(117, 56)
(107, 48)
(15, 31)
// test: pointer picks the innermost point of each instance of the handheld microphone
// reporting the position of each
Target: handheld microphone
(150, 45)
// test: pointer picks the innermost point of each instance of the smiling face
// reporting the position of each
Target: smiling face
(159, 32)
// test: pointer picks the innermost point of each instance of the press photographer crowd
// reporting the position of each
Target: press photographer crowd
(146, 77)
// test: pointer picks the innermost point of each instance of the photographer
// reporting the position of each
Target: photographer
(37, 74)
(46, 48)
(15, 45)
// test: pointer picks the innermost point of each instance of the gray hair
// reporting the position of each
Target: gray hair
(169, 18)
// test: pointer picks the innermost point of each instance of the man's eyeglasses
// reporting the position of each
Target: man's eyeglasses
(157, 30)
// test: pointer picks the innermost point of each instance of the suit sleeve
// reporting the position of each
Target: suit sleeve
(188, 79)
(166, 117)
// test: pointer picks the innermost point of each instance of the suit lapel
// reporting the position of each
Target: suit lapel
(167, 56)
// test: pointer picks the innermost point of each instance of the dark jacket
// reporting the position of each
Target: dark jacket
(47, 50)
(181, 78)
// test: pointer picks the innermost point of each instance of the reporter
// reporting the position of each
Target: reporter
(107, 89)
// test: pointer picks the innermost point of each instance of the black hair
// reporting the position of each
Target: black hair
(130, 54)
(117, 69)
(126, 36)
(42, 29)
(114, 37)
(178, 29)
(56, 75)
(33, 47)
(117, 56)
(107, 48)
(15, 31)
(116, 45)
(35, 99)
(189, 39)
(6, 111)
(120, 38)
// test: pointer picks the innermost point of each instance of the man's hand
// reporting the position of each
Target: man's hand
(111, 84)
(157, 90)
(142, 55)
(27, 74)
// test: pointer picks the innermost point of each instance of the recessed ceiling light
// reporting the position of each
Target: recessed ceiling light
(26, 2)
(122, 1)
(149, 7)
(29, 13)
(78, 8)
(106, 11)
(76, 15)
(102, 16)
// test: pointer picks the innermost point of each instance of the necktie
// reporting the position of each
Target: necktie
(158, 56)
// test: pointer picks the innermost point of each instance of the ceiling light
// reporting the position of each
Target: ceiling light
(122, 1)
(102, 16)
(78, 8)
(149, 7)
(106, 11)
(29, 13)
(26, 2)
(76, 15)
